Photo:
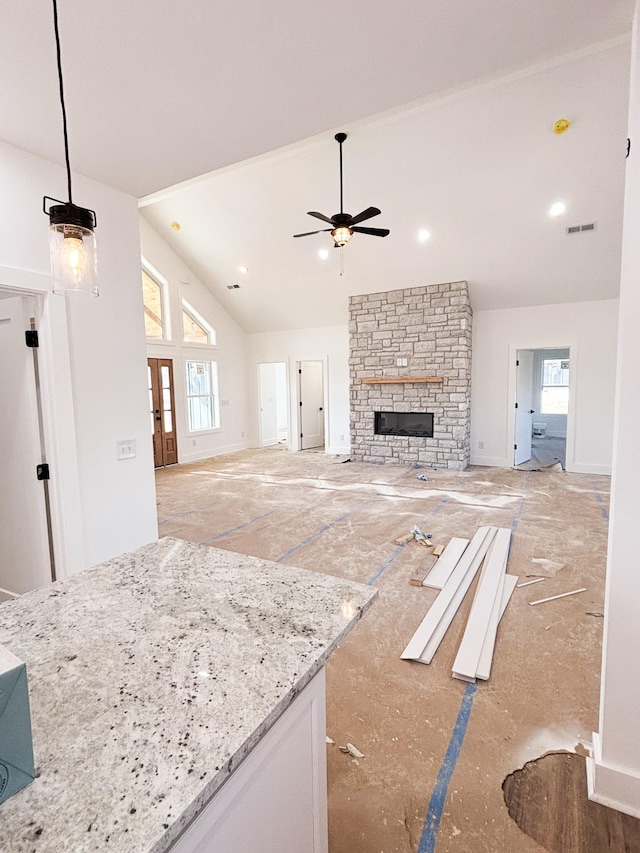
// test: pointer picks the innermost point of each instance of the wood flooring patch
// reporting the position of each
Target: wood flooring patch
(548, 800)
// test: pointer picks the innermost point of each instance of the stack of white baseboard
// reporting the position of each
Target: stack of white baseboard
(455, 576)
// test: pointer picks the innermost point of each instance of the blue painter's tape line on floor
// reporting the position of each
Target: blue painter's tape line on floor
(603, 508)
(237, 527)
(321, 531)
(439, 795)
(383, 568)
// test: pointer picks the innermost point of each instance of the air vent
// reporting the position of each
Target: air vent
(233, 287)
(577, 229)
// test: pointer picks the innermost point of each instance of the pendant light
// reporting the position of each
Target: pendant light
(72, 241)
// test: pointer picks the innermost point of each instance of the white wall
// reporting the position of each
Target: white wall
(93, 354)
(229, 352)
(589, 329)
(329, 345)
(614, 771)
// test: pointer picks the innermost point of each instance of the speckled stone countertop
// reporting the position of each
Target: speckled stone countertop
(151, 677)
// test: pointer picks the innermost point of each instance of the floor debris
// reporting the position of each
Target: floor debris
(351, 750)
(403, 540)
(419, 575)
(528, 583)
(594, 613)
(562, 595)
(419, 536)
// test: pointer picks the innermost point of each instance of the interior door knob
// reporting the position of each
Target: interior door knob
(532, 411)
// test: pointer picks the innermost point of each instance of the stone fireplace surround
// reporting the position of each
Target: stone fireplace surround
(430, 327)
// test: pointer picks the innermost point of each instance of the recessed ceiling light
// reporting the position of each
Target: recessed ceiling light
(557, 208)
(323, 254)
(423, 235)
(175, 225)
(243, 268)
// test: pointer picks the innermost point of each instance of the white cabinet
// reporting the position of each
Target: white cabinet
(276, 800)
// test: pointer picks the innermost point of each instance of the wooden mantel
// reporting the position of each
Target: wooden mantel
(400, 380)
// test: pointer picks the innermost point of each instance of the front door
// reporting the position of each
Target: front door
(524, 406)
(162, 403)
(311, 391)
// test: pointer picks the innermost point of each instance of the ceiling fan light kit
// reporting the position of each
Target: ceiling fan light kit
(343, 225)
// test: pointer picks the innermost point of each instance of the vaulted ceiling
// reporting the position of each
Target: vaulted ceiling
(159, 93)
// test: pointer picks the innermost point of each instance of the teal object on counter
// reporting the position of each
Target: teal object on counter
(16, 746)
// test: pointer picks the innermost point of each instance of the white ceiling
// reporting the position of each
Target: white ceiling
(159, 92)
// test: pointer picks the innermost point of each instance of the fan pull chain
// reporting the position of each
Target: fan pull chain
(341, 260)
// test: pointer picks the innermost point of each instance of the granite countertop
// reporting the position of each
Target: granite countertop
(151, 677)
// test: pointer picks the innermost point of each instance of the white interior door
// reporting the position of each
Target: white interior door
(24, 543)
(268, 405)
(311, 399)
(524, 406)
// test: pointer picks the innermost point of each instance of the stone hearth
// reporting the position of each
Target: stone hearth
(430, 328)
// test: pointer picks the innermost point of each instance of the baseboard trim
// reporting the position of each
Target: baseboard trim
(491, 461)
(9, 593)
(611, 786)
(199, 455)
(580, 468)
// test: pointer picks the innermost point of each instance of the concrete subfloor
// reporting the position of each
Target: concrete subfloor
(324, 514)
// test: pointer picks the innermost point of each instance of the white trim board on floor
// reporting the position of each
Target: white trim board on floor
(447, 562)
(482, 622)
(486, 656)
(427, 637)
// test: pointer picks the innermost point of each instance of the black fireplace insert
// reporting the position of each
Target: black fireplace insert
(404, 423)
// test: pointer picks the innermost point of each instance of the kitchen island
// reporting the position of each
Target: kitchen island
(177, 703)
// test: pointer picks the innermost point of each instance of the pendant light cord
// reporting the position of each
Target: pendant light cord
(64, 111)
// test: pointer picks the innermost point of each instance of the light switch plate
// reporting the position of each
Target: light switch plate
(126, 449)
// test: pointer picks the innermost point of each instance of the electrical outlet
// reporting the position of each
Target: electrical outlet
(126, 449)
(481, 445)
(342, 438)
(193, 442)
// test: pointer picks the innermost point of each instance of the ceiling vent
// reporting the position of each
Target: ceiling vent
(578, 229)
(233, 287)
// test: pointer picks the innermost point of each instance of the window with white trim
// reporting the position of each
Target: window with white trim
(203, 396)
(153, 295)
(554, 398)
(195, 329)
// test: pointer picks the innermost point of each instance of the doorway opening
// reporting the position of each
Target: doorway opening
(162, 409)
(274, 404)
(542, 408)
(26, 539)
(311, 405)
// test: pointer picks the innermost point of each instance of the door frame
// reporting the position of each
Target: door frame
(56, 396)
(572, 346)
(325, 407)
(285, 362)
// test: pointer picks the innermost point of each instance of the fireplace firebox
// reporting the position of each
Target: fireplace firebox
(404, 423)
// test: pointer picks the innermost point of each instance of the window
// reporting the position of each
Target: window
(195, 329)
(154, 314)
(202, 395)
(555, 386)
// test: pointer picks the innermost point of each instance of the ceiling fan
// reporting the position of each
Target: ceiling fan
(343, 225)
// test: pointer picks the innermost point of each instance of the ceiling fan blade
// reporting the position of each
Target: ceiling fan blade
(309, 233)
(366, 214)
(320, 216)
(375, 232)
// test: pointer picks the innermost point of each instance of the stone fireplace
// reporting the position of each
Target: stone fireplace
(410, 352)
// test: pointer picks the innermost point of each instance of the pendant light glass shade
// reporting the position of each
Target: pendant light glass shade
(72, 246)
(72, 242)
